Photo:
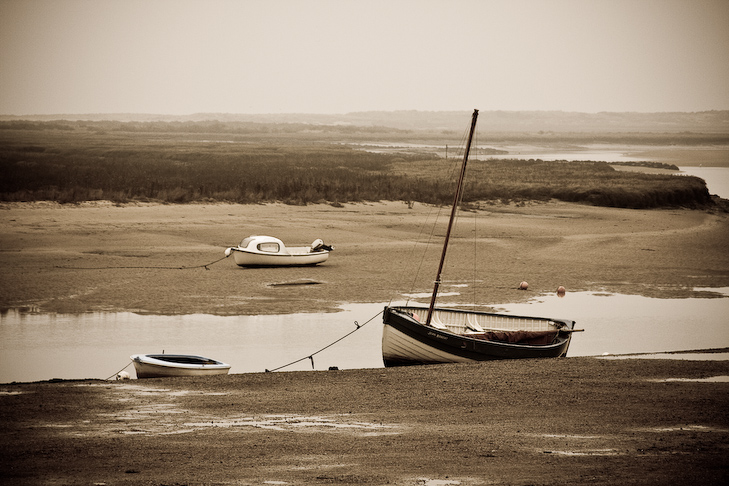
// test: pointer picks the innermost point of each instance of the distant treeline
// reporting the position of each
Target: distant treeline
(79, 165)
(452, 121)
(247, 131)
(192, 127)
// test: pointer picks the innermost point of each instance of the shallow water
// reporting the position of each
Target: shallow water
(716, 178)
(601, 153)
(713, 379)
(97, 345)
(678, 356)
(622, 324)
(36, 346)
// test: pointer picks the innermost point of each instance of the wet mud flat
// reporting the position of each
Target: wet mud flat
(150, 258)
(560, 421)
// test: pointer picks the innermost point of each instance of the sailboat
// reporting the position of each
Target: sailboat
(415, 334)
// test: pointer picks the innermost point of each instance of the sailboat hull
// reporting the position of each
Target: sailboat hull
(414, 335)
(406, 341)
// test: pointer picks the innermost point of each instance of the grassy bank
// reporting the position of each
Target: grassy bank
(71, 162)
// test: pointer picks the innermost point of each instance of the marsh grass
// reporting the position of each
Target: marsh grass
(87, 161)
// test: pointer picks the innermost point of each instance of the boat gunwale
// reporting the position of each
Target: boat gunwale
(254, 242)
(472, 348)
(251, 255)
(568, 323)
(256, 259)
(279, 254)
(152, 360)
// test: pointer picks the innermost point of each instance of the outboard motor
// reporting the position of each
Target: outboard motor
(318, 245)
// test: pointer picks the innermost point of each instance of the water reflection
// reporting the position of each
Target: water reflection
(96, 345)
(620, 324)
(598, 152)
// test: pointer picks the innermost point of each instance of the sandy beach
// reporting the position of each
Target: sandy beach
(551, 422)
(564, 421)
(101, 257)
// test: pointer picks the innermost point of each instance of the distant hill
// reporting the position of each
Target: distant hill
(492, 121)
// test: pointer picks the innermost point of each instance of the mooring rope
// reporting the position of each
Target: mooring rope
(311, 356)
(115, 374)
(206, 265)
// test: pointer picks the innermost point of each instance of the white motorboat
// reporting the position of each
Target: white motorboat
(267, 251)
(165, 365)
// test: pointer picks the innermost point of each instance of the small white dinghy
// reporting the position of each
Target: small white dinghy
(165, 365)
(267, 251)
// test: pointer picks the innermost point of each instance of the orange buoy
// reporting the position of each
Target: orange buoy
(523, 286)
(561, 291)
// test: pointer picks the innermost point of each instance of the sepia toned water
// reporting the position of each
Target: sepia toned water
(622, 324)
(717, 178)
(37, 346)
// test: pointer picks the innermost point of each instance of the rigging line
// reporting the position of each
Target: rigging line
(474, 147)
(410, 258)
(311, 356)
(427, 243)
(454, 169)
(475, 253)
(411, 289)
(206, 265)
(438, 213)
(457, 168)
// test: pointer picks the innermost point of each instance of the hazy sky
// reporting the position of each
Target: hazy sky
(319, 56)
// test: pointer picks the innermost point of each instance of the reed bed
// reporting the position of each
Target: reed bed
(72, 162)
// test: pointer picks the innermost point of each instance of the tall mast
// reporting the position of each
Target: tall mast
(459, 190)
